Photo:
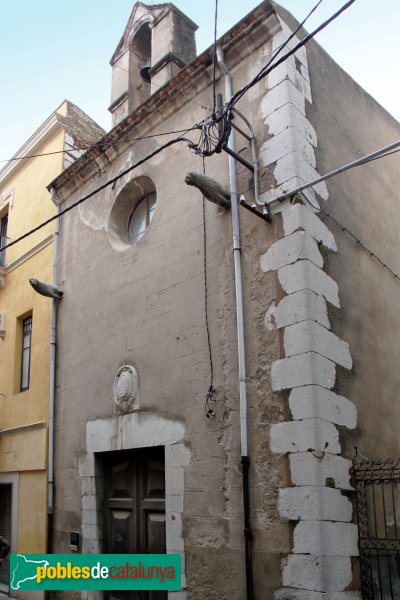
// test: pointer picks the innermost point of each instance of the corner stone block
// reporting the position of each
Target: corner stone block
(324, 538)
(310, 503)
(317, 573)
(288, 116)
(289, 249)
(280, 95)
(292, 594)
(296, 165)
(300, 306)
(282, 38)
(302, 436)
(300, 217)
(303, 369)
(305, 275)
(288, 70)
(309, 336)
(330, 471)
(314, 401)
(284, 143)
(280, 73)
(293, 183)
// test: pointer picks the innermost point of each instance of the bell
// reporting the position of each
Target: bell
(145, 73)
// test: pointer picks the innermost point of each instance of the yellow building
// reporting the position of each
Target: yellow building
(26, 326)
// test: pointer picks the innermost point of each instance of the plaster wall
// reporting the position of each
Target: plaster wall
(145, 306)
(24, 415)
(17, 300)
(31, 202)
(365, 201)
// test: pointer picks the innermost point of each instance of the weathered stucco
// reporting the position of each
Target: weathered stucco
(144, 306)
(306, 350)
(365, 201)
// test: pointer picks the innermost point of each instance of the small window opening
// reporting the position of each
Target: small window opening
(26, 353)
(3, 239)
(141, 46)
(141, 217)
(132, 213)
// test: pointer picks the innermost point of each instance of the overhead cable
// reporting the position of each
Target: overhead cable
(102, 144)
(213, 137)
(381, 153)
(218, 127)
(98, 189)
(210, 392)
(269, 67)
(160, 86)
(351, 234)
(215, 58)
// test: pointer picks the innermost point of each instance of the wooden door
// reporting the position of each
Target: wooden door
(134, 509)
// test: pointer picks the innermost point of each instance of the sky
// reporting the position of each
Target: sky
(51, 51)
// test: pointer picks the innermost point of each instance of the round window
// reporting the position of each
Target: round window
(141, 217)
(132, 213)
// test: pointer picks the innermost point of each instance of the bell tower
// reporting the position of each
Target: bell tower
(158, 41)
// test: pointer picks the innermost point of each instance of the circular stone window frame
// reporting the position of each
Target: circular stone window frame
(123, 208)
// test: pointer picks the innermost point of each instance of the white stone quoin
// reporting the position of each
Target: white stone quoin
(314, 401)
(289, 249)
(324, 537)
(299, 217)
(303, 369)
(293, 594)
(317, 573)
(305, 275)
(304, 305)
(309, 503)
(301, 436)
(309, 336)
(329, 471)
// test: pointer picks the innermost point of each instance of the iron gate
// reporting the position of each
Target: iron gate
(377, 484)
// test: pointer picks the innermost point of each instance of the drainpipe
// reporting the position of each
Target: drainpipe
(53, 341)
(240, 342)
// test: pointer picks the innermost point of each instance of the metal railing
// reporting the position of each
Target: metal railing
(377, 485)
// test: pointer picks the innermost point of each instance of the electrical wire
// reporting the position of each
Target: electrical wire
(98, 189)
(378, 154)
(351, 234)
(103, 144)
(269, 67)
(211, 139)
(216, 129)
(215, 59)
(293, 34)
(377, 157)
(209, 395)
(160, 86)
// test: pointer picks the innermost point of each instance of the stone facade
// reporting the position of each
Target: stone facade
(143, 305)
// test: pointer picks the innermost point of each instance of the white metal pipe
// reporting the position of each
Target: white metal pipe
(351, 165)
(241, 347)
(53, 343)
(238, 270)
